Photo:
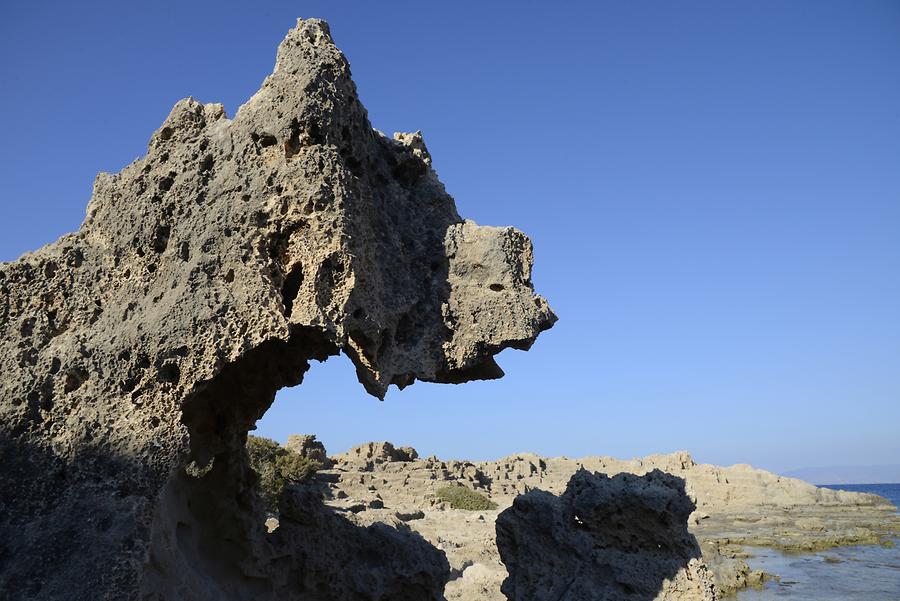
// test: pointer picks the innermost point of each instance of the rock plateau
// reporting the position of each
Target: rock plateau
(737, 508)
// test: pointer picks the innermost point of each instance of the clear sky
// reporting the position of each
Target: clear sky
(713, 190)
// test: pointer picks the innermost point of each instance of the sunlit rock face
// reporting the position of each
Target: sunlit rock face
(205, 277)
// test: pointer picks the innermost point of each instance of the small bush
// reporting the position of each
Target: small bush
(296, 468)
(261, 450)
(277, 467)
(461, 497)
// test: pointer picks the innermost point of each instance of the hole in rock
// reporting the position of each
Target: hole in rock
(210, 526)
(264, 140)
(74, 379)
(291, 287)
(292, 145)
(161, 238)
(218, 524)
(169, 372)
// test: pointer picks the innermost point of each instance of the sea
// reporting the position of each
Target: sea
(866, 573)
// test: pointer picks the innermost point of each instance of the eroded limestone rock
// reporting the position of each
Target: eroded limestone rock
(377, 452)
(621, 538)
(737, 507)
(306, 445)
(205, 277)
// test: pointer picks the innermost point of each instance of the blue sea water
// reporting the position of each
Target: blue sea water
(865, 573)
(891, 492)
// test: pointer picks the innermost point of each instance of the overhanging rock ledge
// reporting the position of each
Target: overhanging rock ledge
(205, 277)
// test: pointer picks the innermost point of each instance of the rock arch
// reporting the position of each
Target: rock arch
(206, 276)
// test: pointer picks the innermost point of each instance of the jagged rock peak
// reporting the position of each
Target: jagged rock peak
(206, 276)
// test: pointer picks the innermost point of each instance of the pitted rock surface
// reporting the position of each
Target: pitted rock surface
(205, 277)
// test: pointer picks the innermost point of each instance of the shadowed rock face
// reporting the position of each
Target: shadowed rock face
(621, 538)
(205, 277)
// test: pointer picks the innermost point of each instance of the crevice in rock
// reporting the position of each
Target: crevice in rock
(291, 287)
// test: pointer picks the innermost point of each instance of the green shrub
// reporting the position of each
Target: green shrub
(261, 450)
(461, 497)
(296, 468)
(277, 467)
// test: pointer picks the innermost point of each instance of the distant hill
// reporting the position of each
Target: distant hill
(849, 474)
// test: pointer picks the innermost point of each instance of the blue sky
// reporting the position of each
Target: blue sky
(713, 190)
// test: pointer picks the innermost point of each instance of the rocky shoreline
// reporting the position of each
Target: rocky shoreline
(207, 275)
(738, 508)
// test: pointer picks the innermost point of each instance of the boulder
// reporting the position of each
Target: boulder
(621, 538)
(307, 446)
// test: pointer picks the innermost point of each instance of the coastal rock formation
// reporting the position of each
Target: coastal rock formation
(623, 538)
(729, 569)
(737, 507)
(206, 276)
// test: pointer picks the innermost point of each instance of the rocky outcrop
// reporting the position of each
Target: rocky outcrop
(375, 453)
(307, 446)
(406, 480)
(620, 538)
(206, 276)
(738, 507)
(731, 573)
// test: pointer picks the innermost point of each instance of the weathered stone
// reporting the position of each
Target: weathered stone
(377, 452)
(621, 538)
(307, 446)
(736, 506)
(206, 276)
(406, 454)
(730, 572)
(335, 560)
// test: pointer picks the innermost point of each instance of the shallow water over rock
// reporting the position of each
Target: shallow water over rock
(869, 573)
